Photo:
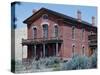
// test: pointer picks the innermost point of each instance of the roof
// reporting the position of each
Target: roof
(64, 17)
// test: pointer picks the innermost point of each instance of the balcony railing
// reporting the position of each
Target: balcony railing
(41, 40)
(92, 40)
(92, 37)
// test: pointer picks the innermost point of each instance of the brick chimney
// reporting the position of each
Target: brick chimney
(34, 10)
(79, 15)
(93, 21)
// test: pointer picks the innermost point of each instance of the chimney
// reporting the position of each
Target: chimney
(93, 21)
(79, 15)
(34, 10)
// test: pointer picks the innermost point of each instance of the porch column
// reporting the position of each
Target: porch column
(35, 50)
(44, 49)
(56, 49)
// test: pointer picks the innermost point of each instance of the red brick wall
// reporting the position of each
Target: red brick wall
(78, 42)
(66, 33)
(39, 27)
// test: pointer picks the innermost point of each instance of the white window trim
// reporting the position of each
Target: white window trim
(42, 27)
(54, 30)
(34, 27)
(43, 18)
(45, 23)
(55, 24)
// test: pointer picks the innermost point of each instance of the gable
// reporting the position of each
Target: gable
(63, 17)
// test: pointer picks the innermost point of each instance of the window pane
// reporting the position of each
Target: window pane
(73, 50)
(45, 16)
(56, 31)
(45, 31)
(34, 33)
(83, 50)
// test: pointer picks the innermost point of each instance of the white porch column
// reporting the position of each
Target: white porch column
(44, 49)
(35, 50)
(56, 49)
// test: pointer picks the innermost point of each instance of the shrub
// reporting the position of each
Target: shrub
(55, 63)
(94, 60)
(77, 62)
(45, 62)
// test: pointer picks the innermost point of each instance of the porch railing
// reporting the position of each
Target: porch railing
(36, 40)
(92, 40)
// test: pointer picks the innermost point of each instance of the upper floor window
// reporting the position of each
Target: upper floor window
(56, 30)
(34, 32)
(45, 31)
(45, 17)
(73, 32)
(83, 34)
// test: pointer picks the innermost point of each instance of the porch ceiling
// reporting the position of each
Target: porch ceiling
(33, 42)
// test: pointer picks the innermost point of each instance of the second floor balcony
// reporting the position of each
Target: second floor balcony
(41, 40)
(92, 40)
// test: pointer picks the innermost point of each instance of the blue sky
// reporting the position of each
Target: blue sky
(24, 10)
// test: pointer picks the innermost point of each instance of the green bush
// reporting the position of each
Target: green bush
(45, 62)
(94, 60)
(55, 63)
(77, 62)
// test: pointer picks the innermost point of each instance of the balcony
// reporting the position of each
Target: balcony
(41, 41)
(92, 40)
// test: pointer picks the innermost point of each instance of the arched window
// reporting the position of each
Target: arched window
(73, 50)
(34, 32)
(73, 32)
(56, 31)
(83, 34)
(45, 17)
(45, 31)
(83, 51)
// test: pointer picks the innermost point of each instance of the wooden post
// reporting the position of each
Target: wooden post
(44, 49)
(35, 50)
(56, 49)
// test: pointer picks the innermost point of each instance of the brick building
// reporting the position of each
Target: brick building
(54, 34)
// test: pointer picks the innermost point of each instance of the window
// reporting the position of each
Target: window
(83, 52)
(34, 32)
(45, 17)
(73, 32)
(45, 31)
(83, 34)
(56, 31)
(73, 50)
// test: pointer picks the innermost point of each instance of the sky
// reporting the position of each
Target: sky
(24, 11)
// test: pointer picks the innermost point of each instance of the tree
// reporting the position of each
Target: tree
(14, 18)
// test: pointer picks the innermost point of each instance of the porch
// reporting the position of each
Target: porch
(92, 43)
(40, 47)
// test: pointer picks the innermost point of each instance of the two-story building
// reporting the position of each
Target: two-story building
(54, 34)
